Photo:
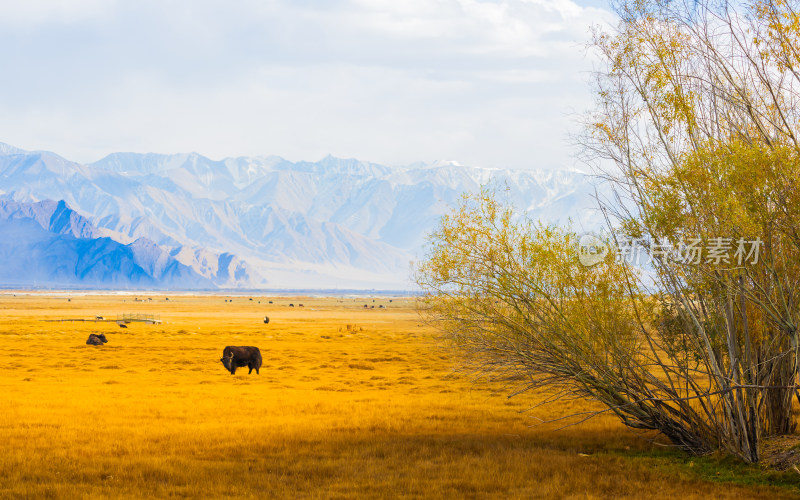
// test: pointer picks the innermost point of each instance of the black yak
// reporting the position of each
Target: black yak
(96, 339)
(237, 356)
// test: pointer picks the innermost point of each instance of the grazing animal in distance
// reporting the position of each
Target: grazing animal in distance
(96, 339)
(123, 325)
(291, 305)
(266, 319)
(237, 356)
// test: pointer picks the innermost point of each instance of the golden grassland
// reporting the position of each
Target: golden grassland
(350, 402)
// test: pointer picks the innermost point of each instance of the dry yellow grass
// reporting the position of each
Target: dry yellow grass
(370, 410)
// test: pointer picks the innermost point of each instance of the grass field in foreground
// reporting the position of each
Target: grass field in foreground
(350, 402)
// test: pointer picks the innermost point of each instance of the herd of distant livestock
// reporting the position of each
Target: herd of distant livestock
(232, 356)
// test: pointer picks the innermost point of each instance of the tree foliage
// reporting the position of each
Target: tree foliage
(696, 131)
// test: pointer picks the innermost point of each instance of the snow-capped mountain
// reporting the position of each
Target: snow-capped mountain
(269, 222)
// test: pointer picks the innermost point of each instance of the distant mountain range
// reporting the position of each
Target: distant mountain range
(186, 221)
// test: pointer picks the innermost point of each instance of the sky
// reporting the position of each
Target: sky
(491, 83)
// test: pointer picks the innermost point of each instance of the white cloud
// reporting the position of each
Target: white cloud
(484, 82)
(31, 13)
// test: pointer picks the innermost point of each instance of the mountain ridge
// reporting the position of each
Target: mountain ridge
(284, 224)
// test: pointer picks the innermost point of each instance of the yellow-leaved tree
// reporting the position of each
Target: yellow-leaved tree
(695, 130)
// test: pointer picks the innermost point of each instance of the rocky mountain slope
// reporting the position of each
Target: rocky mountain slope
(269, 222)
